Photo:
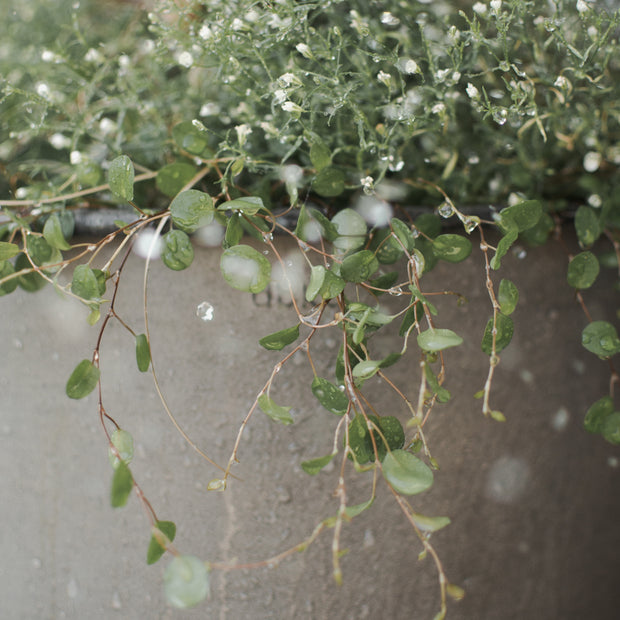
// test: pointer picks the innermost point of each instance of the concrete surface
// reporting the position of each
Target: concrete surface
(534, 502)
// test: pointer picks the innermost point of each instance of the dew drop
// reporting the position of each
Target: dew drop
(445, 210)
(204, 311)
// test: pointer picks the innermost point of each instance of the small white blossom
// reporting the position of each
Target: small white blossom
(289, 106)
(592, 32)
(268, 128)
(43, 90)
(438, 108)
(562, 82)
(48, 56)
(388, 19)
(304, 50)
(289, 79)
(279, 96)
(480, 8)
(496, 5)
(440, 76)
(472, 91)
(59, 141)
(185, 59)
(209, 109)
(292, 174)
(93, 55)
(124, 61)
(107, 126)
(75, 158)
(582, 6)
(367, 183)
(237, 24)
(595, 201)
(410, 66)
(454, 34)
(205, 32)
(243, 131)
(592, 161)
(385, 78)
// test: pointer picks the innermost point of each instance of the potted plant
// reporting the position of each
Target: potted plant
(380, 142)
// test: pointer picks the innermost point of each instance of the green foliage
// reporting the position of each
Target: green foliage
(177, 251)
(191, 210)
(406, 473)
(122, 485)
(278, 340)
(123, 444)
(121, 177)
(245, 269)
(275, 412)
(83, 380)
(186, 581)
(162, 534)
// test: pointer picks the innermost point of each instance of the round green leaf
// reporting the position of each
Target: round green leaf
(192, 209)
(386, 246)
(314, 466)
(250, 205)
(122, 485)
(597, 414)
(84, 283)
(278, 340)
(177, 251)
(406, 473)
(120, 178)
(438, 339)
(524, 215)
(83, 380)
(587, 225)
(505, 330)
(601, 338)
(123, 442)
(452, 248)
(190, 138)
(403, 232)
(186, 581)
(329, 182)
(611, 428)
(351, 228)
(366, 369)
(583, 270)
(507, 296)
(359, 267)
(171, 179)
(8, 250)
(245, 268)
(53, 234)
(143, 353)
(320, 155)
(7, 269)
(40, 250)
(330, 396)
(275, 412)
(32, 281)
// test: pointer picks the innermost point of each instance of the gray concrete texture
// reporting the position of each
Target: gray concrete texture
(534, 502)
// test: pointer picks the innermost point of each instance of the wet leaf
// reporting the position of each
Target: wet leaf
(8, 250)
(507, 296)
(386, 246)
(320, 155)
(504, 244)
(601, 338)
(430, 524)
(190, 138)
(143, 353)
(403, 232)
(275, 412)
(353, 511)
(171, 179)
(120, 178)
(452, 248)
(324, 282)
(84, 283)
(245, 269)
(83, 380)
(505, 331)
(524, 215)
(7, 269)
(186, 581)
(234, 231)
(438, 339)
(329, 230)
(314, 466)
(250, 205)
(597, 414)
(406, 473)
(330, 396)
(366, 369)
(32, 281)
(583, 270)
(278, 340)
(192, 209)
(177, 250)
(161, 529)
(359, 267)
(122, 485)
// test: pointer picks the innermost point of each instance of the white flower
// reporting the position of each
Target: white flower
(243, 131)
(289, 79)
(185, 59)
(438, 108)
(582, 6)
(292, 174)
(58, 141)
(304, 50)
(75, 158)
(279, 96)
(411, 66)
(47, 56)
(388, 19)
(385, 78)
(107, 126)
(205, 32)
(472, 91)
(124, 61)
(595, 201)
(480, 8)
(93, 55)
(43, 90)
(367, 183)
(289, 106)
(592, 161)
(237, 24)
(209, 109)
(496, 5)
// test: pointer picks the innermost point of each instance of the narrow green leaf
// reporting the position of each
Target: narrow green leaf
(278, 340)
(583, 270)
(162, 529)
(330, 396)
(507, 296)
(505, 331)
(430, 524)
(52, 231)
(601, 338)
(366, 369)
(587, 225)
(234, 231)
(123, 442)
(84, 283)
(504, 245)
(186, 581)
(314, 466)
(177, 250)
(250, 205)
(245, 269)
(329, 230)
(359, 439)
(452, 248)
(406, 473)
(403, 232)
(121, 177)
(192, 209)
(83, 380)
(438, 339)
(143, 353)
(275, 412)
(359, 267)
(329, 182)
(8, 250)
(317, 277)
(353, 511)
(122, 485)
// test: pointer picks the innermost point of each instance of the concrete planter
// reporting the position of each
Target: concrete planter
(534, 502)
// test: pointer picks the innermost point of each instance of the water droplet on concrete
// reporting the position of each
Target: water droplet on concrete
(36, 563)
(612, 461)
(507, 479)
(204, 311)
(559, 420)
(369, 539)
